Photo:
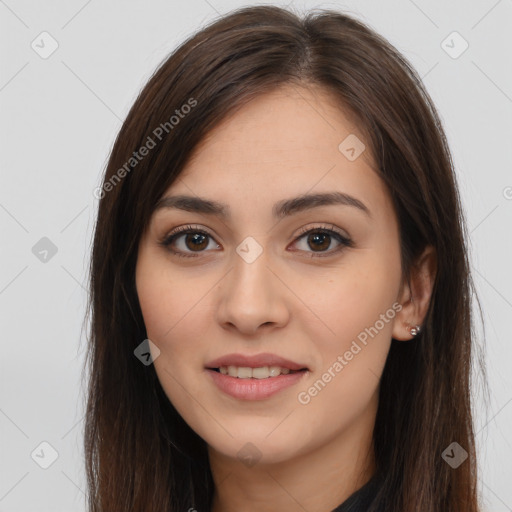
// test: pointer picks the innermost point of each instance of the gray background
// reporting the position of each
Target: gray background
(59, 118)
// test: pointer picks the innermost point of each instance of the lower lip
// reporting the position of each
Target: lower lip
(254, 389)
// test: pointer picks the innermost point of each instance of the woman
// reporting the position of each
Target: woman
(280, 288)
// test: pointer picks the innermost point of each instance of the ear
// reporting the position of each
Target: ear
(415, 297)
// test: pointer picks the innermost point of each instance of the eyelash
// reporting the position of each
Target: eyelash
(325, 230)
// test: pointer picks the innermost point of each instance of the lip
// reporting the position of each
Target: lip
(255, 361)
(254, 389)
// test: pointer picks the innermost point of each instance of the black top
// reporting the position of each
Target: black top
(361, 499)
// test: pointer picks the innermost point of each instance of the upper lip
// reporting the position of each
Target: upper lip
(254, 361)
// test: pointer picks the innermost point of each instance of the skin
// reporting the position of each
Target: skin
(289, 302)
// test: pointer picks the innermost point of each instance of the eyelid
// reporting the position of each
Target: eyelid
(325, 227)
(344, 240)
(185, 230)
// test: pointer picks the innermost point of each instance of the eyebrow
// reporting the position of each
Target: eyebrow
(280, 210)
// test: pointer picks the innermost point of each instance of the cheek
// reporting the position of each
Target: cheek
(355, 304)
(358, 308)
(171, 308)
(162, 298)
(174, 310)
(156, 302)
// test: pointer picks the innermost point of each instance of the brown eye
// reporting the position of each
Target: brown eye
(196, 241)
(187, 240)
(319, 240)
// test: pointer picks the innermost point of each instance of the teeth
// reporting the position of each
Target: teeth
(243, 372)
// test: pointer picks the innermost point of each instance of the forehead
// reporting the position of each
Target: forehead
(282, 144)
(288, 121)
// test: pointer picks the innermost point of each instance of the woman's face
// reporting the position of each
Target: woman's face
(256, 284)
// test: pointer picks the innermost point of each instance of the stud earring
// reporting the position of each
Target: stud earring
(416, 330)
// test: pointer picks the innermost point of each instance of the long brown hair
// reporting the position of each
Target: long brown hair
(140, 454)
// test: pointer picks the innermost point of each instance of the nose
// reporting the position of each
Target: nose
(251, 297)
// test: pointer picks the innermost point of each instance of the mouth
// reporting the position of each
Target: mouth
(259, 366)
(262, 372)
(259, 383)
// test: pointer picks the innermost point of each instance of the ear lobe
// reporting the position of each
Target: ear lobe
(415, 296)
(401, 326)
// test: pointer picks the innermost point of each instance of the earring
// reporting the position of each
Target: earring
(416, 330)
